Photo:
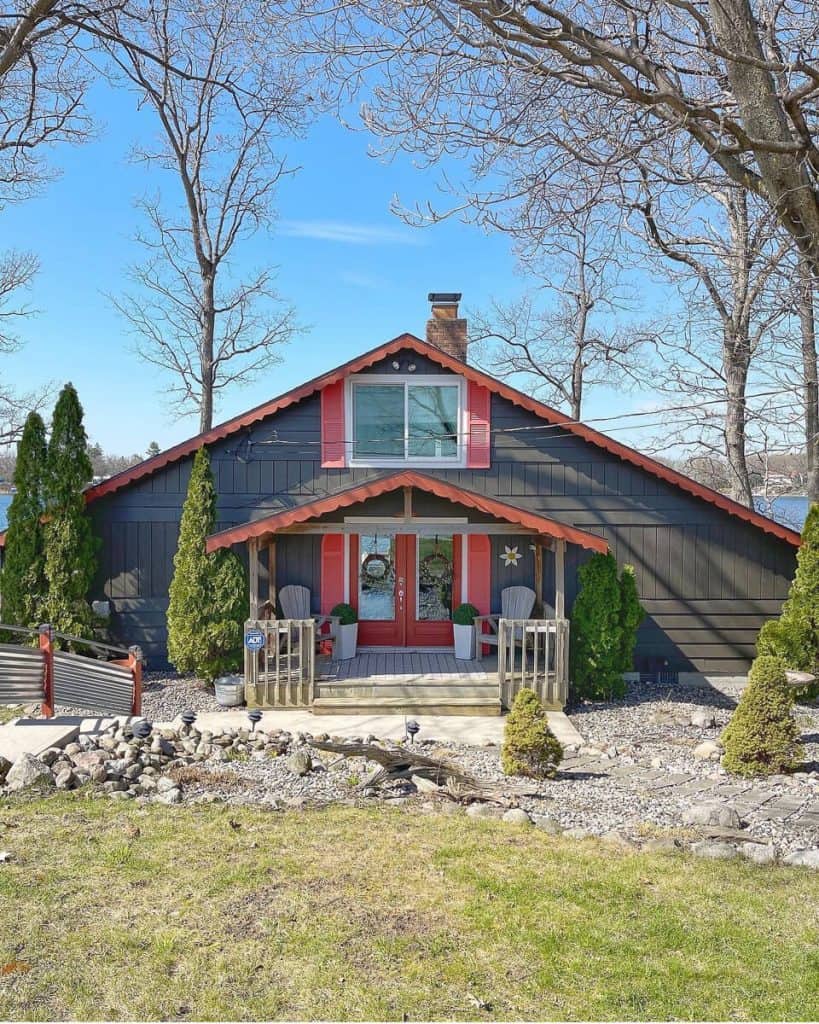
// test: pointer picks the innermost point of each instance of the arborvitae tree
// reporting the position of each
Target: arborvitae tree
(70, 562)
(529, 745)
(208, 592)
(22, 582)
(794, 636)
(596, 649)
(631, 615)
(152, 450)
(762, 737)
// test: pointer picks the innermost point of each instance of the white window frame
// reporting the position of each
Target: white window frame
(458, 461)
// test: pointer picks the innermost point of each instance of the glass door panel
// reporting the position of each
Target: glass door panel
(376, 577)
(435, 578)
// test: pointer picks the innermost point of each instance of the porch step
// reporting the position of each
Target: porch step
(414, 705)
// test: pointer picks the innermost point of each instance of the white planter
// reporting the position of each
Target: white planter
(464, 642)
(346, 642)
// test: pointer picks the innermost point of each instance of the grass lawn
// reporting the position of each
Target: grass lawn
(115, 911)
(9, 711)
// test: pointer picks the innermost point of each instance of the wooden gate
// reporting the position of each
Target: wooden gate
(282, 673)
(534, 653)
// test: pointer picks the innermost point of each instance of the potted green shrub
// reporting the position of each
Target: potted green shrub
(463, 626)
(347, 631)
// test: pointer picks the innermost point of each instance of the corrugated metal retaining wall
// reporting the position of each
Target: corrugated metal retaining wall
(21, 674)
(97, 685)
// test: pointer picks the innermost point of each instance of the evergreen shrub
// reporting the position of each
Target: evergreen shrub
(529, 746)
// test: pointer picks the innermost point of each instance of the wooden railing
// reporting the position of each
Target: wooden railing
(282, 673)
(534, 653)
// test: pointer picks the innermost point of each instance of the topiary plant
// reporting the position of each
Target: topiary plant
(345, 613)
(529, 745)
(465, 615)
(762, 736)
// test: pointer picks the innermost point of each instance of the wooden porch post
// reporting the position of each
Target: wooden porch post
(271, 575)
(253, 573)
(560, 579)
(538, 577)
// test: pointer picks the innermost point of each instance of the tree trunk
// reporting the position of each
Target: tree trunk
(810, 374)
(208, 314)
(736, 357)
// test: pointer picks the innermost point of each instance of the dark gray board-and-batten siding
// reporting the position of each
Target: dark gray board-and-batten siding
(707, 580)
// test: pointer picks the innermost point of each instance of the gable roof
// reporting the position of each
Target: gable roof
(393, 482)
(409, 341)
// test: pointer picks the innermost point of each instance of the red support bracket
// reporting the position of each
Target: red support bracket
(135, 665)
(47, 647)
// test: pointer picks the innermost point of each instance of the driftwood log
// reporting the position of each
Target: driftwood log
(441, 777)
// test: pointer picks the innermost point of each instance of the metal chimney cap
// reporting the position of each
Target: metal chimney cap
(444, 297)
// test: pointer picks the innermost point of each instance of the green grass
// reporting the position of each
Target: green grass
(9, 711)
(111, 911)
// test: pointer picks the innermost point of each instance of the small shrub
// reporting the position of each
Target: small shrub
(465, 615)
(529, 745)
(762, 736)
(345, 613)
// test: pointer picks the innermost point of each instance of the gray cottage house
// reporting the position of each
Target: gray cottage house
(405, 482)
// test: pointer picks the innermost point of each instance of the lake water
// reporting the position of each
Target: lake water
(788, 509)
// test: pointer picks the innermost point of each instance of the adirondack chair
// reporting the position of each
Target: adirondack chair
(295, 604)
(516, 603)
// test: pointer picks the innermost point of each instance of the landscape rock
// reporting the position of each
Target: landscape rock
(425, 785)
(714, 851)
(64, 779)
(98, 773)
(517, 816)
(300, 762)
(759, 853)
(54, 754)
(481, 810)
(88, 759)
(27, 771)
(712, 814)
(5, 766)
(803, 859)
(615, 838)
(577, 833)
(5, 857)
(708, 750)
(171, 796)
(703, 719)
(165, 784)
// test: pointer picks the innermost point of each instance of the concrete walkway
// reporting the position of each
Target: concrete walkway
(467, 729)
(34, 735)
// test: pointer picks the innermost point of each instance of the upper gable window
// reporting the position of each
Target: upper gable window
(398, 421)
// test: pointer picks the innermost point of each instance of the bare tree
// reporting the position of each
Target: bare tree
(570, 334)
(722, 253)
(193, 318)
(737, 78)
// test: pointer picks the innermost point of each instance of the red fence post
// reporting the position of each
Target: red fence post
(135, 665)
(47, 647)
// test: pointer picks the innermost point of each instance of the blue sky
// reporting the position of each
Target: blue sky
(356, 275)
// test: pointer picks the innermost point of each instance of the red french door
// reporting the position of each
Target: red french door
(404, 588)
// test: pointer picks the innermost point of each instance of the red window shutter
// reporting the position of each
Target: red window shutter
(332, 571)
(478, 401)
(479, 572)
(332, 426)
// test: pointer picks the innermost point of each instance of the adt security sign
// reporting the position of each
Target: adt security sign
(254, 640)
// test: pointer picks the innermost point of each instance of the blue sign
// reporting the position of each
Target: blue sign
(254, 640)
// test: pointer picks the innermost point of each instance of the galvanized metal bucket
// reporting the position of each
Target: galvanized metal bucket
(230, 691)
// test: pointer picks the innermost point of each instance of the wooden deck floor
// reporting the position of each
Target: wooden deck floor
(407, 666)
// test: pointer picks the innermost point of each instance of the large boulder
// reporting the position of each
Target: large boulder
(300, 762)
(803, 859)
(5, 766)
(712, 814)
(27, 771)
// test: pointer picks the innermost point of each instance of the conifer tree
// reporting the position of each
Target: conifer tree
(762, 737)
(208, 592)
(22, 582)
(70, 562)
(596, 650)
(794, 636)
(529, 745)
(631, 615)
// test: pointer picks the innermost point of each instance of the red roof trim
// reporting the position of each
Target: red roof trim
(545, 412)
(405, 478)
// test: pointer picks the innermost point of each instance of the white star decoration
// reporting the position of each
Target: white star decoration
(511, 556)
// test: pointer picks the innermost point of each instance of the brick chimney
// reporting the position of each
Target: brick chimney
(445, 329)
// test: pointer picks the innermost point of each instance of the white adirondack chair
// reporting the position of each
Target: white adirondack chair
(516, 603)
(295, 604)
